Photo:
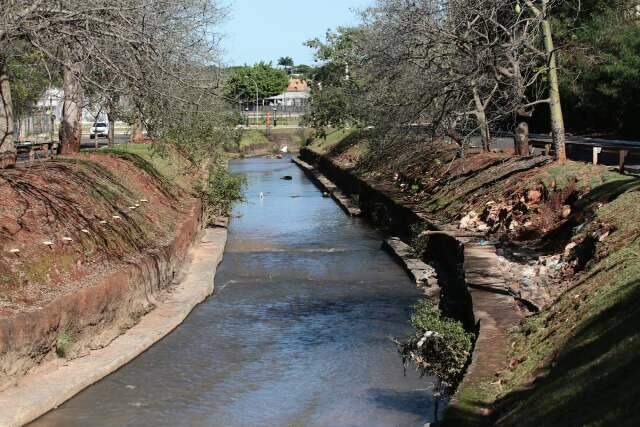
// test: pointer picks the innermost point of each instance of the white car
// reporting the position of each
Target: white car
(99, 129)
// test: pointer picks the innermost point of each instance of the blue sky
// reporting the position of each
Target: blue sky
(268, 29)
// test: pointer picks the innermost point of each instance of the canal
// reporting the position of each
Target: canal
(298, 332)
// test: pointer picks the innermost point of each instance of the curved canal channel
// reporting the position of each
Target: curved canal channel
(297, 332)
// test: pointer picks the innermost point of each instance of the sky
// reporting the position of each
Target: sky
(265, 30)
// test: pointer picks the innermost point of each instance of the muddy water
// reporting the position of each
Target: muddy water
(296, 334)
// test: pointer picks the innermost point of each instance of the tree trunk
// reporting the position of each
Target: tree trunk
(111, 120)
(71, 124)
(136, 131)
(557, 119)
(485, 133)
(7, 147)
(481, 118)
(521, 140)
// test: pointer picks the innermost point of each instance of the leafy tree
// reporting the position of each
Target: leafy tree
(149, 50)
(220, 192)
(601, 66)
(286, 62)
(336, 88)
(30, 79)
(304, 71)
(242, 81)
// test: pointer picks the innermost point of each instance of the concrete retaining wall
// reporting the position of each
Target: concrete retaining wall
(377, 206)
(41, 391)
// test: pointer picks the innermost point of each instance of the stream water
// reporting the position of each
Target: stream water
(297, 332)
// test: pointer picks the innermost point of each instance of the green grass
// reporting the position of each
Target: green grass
(253, 138)
(322, 145)
(580, 357)
(577, 362)
(39, 269)
(167, 166)
(282, 121)
(473, 190)
(260, 139)
(587, 175)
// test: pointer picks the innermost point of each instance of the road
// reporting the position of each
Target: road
(582, 152)
(119, 138)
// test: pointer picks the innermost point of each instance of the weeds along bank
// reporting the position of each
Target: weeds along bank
(89, 241)
(567, 248)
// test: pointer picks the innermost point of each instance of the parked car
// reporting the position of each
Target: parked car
(99, 129)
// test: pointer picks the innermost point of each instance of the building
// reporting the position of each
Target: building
(297, 85)
(43, 119)
(293, 100)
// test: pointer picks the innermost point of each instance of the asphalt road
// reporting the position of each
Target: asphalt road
(86, 142)
(582, 153)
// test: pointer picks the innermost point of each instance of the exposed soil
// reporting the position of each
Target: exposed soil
(73, 218)
(87, 244)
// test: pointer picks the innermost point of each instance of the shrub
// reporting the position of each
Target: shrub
(63, 342)
(223, 189)
(440, 346)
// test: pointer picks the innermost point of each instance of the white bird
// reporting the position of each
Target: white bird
(261, 195)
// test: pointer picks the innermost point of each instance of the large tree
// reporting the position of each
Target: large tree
(336, 83)
(7, 148)
(243, 81)
(286, 62)
(453, 67)
(541, 10)
(600, 59)
(146, 48)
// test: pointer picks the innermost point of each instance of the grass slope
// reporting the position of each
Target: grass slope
(580, 357)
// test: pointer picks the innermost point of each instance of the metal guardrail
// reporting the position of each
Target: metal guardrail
(597, 146)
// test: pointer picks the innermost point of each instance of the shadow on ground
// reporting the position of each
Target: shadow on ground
(595, 377)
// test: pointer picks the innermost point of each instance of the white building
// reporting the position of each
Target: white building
(293, 100)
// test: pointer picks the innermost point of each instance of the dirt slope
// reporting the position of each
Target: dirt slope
(86, 244)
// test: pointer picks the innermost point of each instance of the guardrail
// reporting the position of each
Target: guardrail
(597, 146)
